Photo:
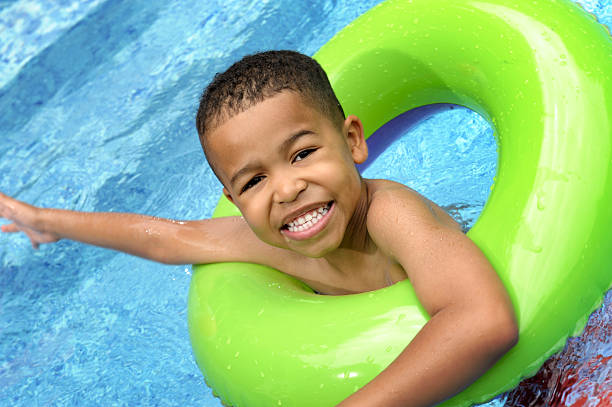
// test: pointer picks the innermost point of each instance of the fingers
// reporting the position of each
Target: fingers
(34, 238)
(22, 216)
(10, 228)
(5, 207)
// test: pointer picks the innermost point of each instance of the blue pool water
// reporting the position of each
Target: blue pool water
(97, 104)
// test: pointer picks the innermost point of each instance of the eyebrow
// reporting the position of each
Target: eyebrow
(246, 169)
(285, 145)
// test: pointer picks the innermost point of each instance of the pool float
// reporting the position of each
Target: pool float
(539, 71)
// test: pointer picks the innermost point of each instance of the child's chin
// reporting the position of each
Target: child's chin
(314, 249)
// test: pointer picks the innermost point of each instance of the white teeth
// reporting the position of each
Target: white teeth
(305, 222)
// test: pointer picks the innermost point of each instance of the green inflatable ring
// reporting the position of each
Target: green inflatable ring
(539, 71)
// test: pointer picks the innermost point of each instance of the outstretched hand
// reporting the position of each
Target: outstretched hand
(25, 219)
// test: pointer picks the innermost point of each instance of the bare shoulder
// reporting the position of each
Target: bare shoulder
(442, 263)
(392, 203)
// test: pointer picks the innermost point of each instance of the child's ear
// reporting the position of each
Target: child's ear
(227, 195)
(353, 129)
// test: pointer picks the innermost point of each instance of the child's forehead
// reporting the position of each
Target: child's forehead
(279, 115)
(264, 126)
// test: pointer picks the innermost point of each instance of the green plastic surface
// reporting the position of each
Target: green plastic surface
(539, 71)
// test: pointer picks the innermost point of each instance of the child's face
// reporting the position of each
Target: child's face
(291, 172)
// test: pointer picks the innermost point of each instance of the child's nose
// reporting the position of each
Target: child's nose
(288, 189)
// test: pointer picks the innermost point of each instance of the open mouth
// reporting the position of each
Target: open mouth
(308, 219)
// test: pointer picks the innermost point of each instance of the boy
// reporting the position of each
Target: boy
(276, 137)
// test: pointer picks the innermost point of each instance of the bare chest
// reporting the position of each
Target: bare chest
(359, 273)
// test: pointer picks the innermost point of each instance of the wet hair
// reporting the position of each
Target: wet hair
(260, 76)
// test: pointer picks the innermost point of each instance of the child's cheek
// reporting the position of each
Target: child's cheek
(258, 220)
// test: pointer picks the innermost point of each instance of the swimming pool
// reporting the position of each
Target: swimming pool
(97, 101)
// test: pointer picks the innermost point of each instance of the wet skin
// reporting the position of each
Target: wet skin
(281, 159)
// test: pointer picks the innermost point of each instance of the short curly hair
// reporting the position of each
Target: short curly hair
(257, 77)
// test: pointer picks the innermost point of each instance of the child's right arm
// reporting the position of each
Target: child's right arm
(163, 240)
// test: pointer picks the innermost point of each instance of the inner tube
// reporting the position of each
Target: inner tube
(539, 72)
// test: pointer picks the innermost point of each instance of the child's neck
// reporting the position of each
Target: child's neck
(356, 242)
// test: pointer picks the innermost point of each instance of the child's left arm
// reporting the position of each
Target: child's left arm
(472, 319)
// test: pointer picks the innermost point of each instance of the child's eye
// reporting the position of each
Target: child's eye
(303, 154)
(251, 183)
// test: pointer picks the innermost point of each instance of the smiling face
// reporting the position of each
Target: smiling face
(291, 172)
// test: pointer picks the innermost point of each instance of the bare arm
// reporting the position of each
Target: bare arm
(163, 240)
(472, 320)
